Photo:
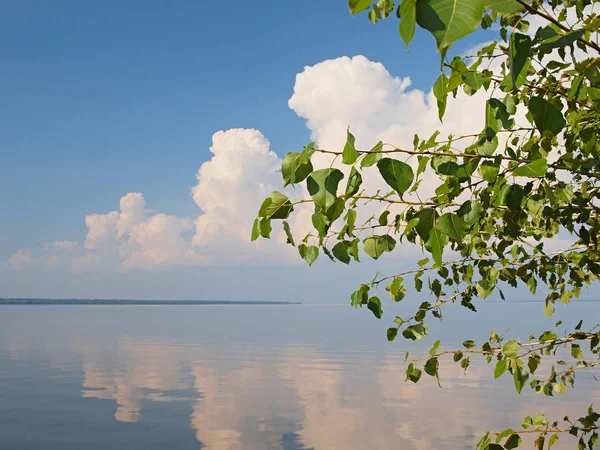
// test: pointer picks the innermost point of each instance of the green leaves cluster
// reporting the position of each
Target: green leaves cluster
(493, 198)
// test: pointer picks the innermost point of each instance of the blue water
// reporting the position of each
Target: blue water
(254, 377)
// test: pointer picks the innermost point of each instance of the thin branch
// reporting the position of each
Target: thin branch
(463, 261)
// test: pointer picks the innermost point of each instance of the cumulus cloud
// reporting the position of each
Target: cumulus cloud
(51, 256)
(231, 186)
(229, 189)
(330, 96)
(135, 239)
(362, 94)
(22, 259)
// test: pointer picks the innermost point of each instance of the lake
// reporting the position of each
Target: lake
(256, 377)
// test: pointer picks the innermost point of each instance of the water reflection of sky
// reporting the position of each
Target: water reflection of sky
(165, 373)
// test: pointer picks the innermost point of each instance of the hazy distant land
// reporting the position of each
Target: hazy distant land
(83, 301)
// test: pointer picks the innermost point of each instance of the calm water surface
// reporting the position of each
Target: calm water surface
(252, 377)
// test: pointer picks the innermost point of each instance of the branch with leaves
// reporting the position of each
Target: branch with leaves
(494, 196)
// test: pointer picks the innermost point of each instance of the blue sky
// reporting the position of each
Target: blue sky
(101, 99)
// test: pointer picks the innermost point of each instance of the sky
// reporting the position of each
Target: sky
(139, 138)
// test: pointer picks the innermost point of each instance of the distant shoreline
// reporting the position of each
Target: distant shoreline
(77, 301)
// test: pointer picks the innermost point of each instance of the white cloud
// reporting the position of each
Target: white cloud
(136, 239)
(51, 256)
(102, 229)
(230, 189)
(22, 259)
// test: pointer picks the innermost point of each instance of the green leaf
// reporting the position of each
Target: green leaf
(309, 254)
(353, 249)
(469, 344)
(374, 306)
(392, 333)
(513, 441)
(547, 336)
(449, 20)
(484, 146)
(408, 20)
(440, 92)
(500, 368)
(549, 309)
(473, 79)
(539, 420)
(321, 223)
(375, 245)
(396, 289)
(340, 251)
(354, 182)
(509, 102)
(335, 211)
(489, 171)
(534, 362)
(470, 212)
(415, 332)
(560, 388)
(504, 6)
(255, 229)
(265, 228)
(374, 155)
(412, 223)
(435, 245)
(280, 206)
(507, 83)
(561, 40)
(576, 351)
(413, 374)
(518, 56)
(431, 367)
(465, 363)
(452, 226)
(534, 169)
(527, 422)
(360, 296)
(397, 174)
(423, 160)
(511, 349)
(328, 253)
(294, 170)
(288, 233)
(307, 152)
(503, 435)
(425, 224)
(445, 165)
(484, 288)
(349, 155)
(520, 376)
(435, 347)
(262, 212)
(496, 118)
(322, 186)
(386, 7)
(553, 439)
(357, 6)
(383, 218)
(547, 117)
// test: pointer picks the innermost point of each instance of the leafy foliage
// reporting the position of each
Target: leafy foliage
(500, 194)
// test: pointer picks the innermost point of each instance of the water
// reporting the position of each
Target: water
(251, 377)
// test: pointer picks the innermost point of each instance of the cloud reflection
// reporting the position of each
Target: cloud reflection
(257, 396)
